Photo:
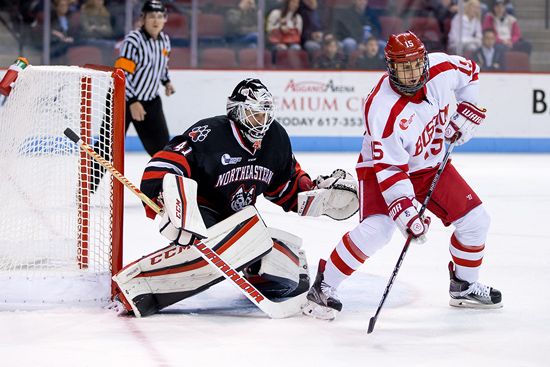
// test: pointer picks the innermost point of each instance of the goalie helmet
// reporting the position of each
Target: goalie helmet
(251, 107)
(407, 50)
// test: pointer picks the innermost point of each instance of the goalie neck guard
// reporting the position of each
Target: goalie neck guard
(251, 107)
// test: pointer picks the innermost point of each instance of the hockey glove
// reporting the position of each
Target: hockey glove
(406, 217)
(464, 122)
(334, 196)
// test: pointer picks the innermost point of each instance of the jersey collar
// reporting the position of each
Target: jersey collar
(241, 140)
(418, 97)
(145, 33)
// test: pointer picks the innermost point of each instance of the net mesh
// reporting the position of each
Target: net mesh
(57, 204)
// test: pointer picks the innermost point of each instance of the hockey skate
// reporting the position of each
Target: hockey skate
(472, 295)
(322, 299)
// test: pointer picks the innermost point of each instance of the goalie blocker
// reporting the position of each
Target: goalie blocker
(271, 259)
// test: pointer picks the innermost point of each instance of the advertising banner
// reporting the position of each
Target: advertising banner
(323, 110)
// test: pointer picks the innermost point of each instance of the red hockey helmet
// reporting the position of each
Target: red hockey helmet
(409, 51)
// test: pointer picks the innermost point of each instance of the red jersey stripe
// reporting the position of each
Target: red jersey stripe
(175, 157)
(395, 111)
(440, 68)
(277, 190)
(289, 194)
(392, 180)
(153, 175)
(369, 101)
(382, 166)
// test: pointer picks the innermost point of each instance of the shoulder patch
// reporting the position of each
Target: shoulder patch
(199, 133)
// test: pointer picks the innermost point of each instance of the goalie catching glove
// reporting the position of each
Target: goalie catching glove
(334, 196)
(464, 122)
(408, 219)
(181, 219)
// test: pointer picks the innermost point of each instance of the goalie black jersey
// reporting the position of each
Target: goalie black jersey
(229, 172)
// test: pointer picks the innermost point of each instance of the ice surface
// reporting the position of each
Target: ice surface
(416, 326)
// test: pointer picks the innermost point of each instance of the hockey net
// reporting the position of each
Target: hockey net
(61, 214)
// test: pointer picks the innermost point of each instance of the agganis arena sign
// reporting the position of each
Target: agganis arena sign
(329, 104)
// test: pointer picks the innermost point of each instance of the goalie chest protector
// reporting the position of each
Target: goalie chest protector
(230, 173)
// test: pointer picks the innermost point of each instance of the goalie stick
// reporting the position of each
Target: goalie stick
(410, 238)
(275, 310)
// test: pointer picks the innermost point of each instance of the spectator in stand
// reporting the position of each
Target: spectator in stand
(330, 57)
(312, 34)
(352, 26)
(506, 28)
(118, 7)
(371, 56)
(489, 57)
(443, 11)
(242, 24)
(284, 26)
(95, 20)
(485, 8)
(62, 35)
(471, 28)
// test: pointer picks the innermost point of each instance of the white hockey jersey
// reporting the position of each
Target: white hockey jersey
(405, 134)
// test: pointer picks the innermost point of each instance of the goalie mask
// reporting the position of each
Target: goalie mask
(251, 107)
(407, 62)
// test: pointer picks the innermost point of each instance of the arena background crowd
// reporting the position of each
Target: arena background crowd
(500, 35)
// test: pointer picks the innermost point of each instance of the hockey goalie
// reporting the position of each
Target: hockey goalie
(207, 180)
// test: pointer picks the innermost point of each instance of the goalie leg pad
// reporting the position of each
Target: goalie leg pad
(283, 272)
(178, 272)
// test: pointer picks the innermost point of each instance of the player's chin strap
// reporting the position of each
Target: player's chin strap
(334, 196)
(274, 310)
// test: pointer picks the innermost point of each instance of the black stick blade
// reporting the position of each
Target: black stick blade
(371, 324)
(71, 135)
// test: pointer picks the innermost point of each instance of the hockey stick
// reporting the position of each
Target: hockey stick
(410, 238)
(275, 310)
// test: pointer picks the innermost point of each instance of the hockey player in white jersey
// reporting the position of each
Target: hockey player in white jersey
(407, 125)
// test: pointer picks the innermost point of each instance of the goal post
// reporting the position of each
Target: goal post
(61, 215)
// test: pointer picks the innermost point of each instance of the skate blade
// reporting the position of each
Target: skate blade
(316, 311)
(465, 303)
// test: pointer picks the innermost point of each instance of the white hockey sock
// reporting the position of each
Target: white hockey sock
(467, 259)
(344, 260)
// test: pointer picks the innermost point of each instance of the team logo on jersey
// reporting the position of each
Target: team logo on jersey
(199, 133)
(404, 123)
(227, 159)
(242, 198)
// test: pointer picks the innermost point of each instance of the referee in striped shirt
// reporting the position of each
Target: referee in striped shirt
(144, 58)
